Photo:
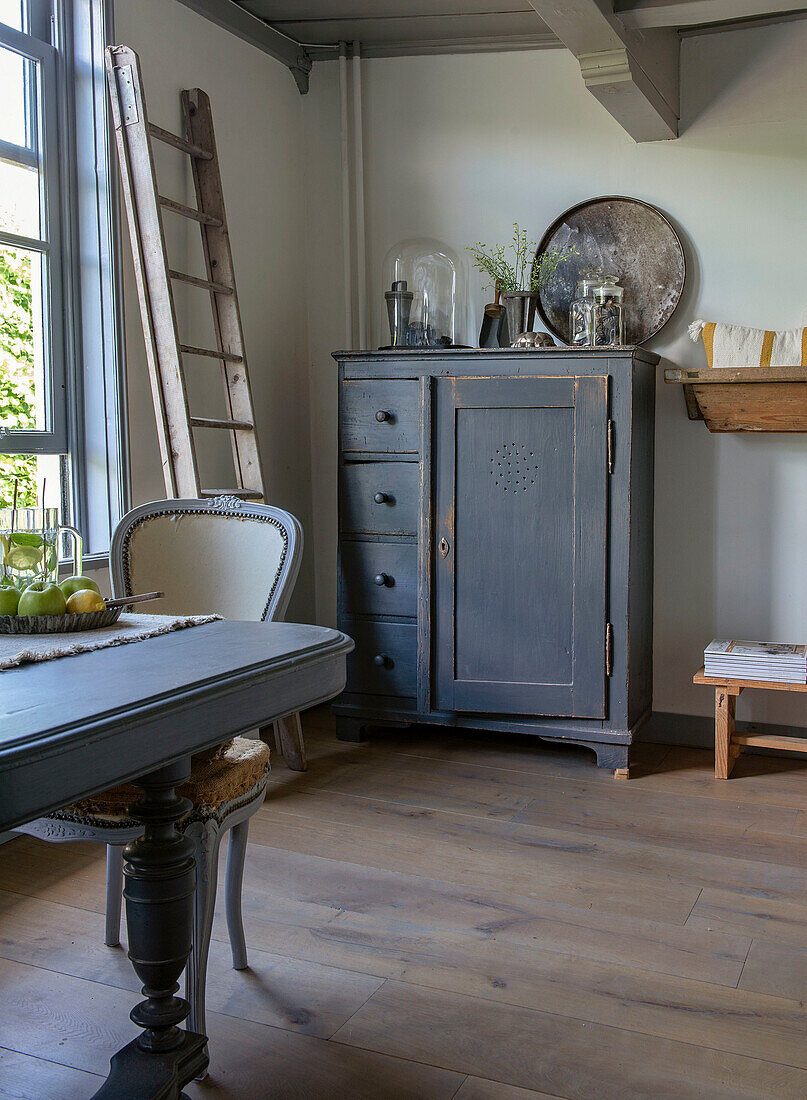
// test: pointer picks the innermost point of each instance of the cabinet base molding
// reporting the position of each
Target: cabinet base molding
(611, 750)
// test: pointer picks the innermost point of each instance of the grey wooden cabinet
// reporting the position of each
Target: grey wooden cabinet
(496, 542)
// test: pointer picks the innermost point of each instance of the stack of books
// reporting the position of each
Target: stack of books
(756, 661)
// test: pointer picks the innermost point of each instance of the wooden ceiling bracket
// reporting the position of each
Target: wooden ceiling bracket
(620, 84)
(634, 74)
(232, 17)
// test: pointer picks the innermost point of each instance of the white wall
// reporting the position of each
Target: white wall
(258, 118)
(460, 147)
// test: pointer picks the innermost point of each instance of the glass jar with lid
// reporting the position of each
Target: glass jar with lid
(608, 328)
(581, 331)
(425, 296)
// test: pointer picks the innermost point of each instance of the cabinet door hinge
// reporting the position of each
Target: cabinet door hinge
(610, 446)
(609, 649)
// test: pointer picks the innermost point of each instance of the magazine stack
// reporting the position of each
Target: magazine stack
(770, 661)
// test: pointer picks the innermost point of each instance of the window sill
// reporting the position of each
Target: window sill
(89, 561)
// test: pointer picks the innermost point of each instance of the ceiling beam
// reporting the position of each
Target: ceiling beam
(649, 14)
(634, 74)
(233, 18)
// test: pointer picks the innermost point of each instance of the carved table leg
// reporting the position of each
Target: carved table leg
(160, 880)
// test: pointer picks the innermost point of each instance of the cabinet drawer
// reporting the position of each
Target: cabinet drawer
(380, 498)
(380, 415)
(379, 578)
(384, 661)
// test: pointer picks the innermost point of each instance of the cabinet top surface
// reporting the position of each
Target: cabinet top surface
(511, 354)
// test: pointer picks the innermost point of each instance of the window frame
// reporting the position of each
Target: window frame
(53, 438)
(99, 455)
(74, 33)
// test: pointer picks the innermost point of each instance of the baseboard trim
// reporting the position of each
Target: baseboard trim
(698, 732)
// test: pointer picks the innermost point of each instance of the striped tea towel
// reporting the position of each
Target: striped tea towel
(738, 346)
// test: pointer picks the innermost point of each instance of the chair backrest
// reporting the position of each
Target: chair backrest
(223, 556)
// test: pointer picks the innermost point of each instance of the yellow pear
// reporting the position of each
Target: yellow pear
(85, 600)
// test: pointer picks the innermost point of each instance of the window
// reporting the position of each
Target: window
(60, 386)
(33, 411)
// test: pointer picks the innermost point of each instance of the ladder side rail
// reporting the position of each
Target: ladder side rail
(154, 290)
(226, 313)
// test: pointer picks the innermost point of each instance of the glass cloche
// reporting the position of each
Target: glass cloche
(424, 304)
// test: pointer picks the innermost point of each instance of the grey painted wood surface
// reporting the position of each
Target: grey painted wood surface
(379, 578)
(384, 661)
(380, 498)
(380, 415)
(613, 534)
(73, 726)
(520, 498)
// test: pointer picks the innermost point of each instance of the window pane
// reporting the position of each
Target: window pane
(11, 14)
(19, 199)
(23, 394)
(19, 95)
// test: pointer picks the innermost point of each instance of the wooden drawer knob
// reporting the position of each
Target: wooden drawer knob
(381, 659)
(382, 498)
(382, 415)
(382, 580)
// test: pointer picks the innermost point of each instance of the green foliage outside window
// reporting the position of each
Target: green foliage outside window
(16, 373)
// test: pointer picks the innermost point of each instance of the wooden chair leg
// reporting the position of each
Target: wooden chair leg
(289, 739)
(725, 758)
(114, 894)
(234, 876)
(206, 837)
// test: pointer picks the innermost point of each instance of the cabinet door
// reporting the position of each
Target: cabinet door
(521, 500)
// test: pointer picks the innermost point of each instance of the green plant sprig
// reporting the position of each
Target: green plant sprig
(510, 277)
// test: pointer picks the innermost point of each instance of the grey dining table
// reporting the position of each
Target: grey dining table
(71, 727)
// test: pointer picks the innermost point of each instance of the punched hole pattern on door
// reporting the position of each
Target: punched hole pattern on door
(512, 467)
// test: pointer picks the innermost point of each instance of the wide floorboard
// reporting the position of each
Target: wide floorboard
(433, 915)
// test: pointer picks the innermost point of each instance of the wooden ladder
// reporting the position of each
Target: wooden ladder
(155, 278)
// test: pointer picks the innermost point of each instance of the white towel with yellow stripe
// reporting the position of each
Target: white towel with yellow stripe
(738, 346)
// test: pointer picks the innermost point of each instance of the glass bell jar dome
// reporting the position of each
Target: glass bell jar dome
(425, 296)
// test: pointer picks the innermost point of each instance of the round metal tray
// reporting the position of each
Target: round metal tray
(59, 624)
(626, 237)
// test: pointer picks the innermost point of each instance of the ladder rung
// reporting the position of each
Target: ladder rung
(227, 356)
(231, 425)
(189, 212)
(244, 494)
(179, 143)
(218, 288)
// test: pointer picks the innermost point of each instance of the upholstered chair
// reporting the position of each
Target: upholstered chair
(238, 560)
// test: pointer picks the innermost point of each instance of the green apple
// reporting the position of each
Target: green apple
(78, 584)
(42, 598)
(9, 599)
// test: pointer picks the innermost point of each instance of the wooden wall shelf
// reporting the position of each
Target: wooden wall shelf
(745, 399)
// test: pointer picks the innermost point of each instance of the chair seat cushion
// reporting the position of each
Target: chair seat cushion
(218, 777)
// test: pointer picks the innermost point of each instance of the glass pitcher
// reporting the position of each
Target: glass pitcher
(29, 546)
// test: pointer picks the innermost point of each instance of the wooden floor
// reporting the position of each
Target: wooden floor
(431, 916)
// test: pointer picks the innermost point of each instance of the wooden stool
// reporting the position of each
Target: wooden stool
(728, 743)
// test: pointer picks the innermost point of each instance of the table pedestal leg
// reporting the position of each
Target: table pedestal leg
(159, 875)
